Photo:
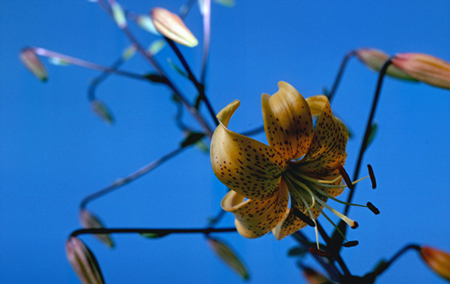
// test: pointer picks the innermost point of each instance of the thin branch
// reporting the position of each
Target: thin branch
(161, 232)
(123, 181)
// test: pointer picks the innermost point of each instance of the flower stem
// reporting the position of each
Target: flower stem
(386, 265)
(205, 231)
(206, 38)
(102, 77)
(200, 87)
(85, 64)
(339, 74)
(130, 178)
(368, 129)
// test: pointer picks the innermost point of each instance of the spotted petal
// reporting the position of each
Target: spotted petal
(287, 121)
(245, 165)
(327, 150)
(255, 218)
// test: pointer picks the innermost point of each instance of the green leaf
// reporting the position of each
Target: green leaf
(102, 111)
(337, 239)
(118, 15)
(228, 256)
(176, 68)
(202, 146)
(226, 3)
(156, 46)
(192, 138)
(155, 78)
(296, 251)
(198, 100)
(153, 235)
(373, 131)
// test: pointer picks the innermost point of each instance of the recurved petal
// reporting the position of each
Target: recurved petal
(245, 165)
(287, 121)
(327, 150)
(255, 218)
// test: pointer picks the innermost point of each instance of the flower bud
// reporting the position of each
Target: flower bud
(437, 260)
(118, 15)
(228, 256)
(90, 221)
(425, 68)
(171, 26)
(102, 111)
(374, 60)
(32, 62)
(83, 262)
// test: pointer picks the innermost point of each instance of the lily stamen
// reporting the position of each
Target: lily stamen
(353, 224)
(345, 177)
(332, 223)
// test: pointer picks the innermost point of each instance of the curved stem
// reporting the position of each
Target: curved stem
(386, 265)
(368, 129)
(200, 87)
(147, 231)
(339, 74)
(102, 77)
(129, 178)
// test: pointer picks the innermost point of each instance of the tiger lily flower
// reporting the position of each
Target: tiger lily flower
(302, 163)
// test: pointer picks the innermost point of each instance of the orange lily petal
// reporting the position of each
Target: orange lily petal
(255, 218)
(327, 150)
(287, 121)
(245, 165)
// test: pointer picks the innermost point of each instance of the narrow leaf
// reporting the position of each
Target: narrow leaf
(224, 252)
(373, 131)
(296, 251)
(153, 235)
(145, 23)
(155, 78)
(176, 68)
(58, 61)
(118, 15)
(156, 46)
(226, 3)
(128, 52)
(198, 100)
(192, 138)
(337, 238)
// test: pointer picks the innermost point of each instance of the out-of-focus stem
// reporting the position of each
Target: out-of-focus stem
(207, 130)
(206, 38)
(86, 64)
(368, 129)
(123, 181)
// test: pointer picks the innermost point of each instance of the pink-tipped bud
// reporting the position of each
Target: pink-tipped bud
(32, 62)
(228, 256)
(425, 68)
(100, 109)
(90, 221)
(437, 260)
(171, 26)
(374, 60)
(83, 262)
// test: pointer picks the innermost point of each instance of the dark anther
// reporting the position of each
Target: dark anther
(350, 244)
(346, 177)
(303, 217)
(372, 176)
(355, 225)
(319, 252)
(373, 208)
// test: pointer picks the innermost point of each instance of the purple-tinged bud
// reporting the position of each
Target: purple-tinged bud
(228, 256)
(90, 221)
(425, 68)
(33, 64)
(83, 262)
(437, 260)
(171, 26)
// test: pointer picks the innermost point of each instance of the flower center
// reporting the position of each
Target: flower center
(309, 196)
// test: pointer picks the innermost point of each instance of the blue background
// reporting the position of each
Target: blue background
(54, 151)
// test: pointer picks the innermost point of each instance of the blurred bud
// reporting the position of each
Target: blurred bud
(171, 26)
(425, 68)
(156, 46)
(314, 277)
(102, 111)
(437, 260)
(128, 52)
(32, 62)
(145, 23)
(118, 15)
(90, 221)
(83, 262)
(228, 256)
(374, 60)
